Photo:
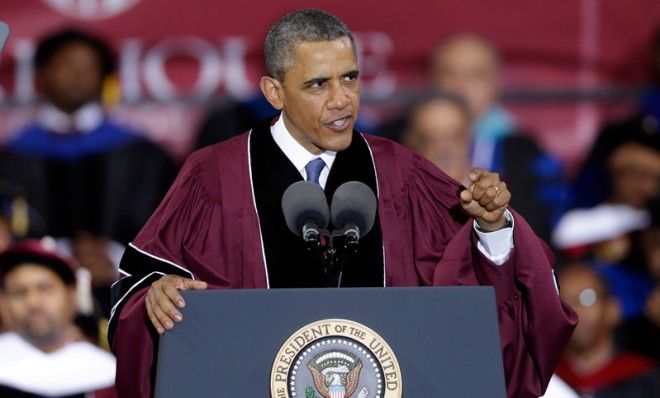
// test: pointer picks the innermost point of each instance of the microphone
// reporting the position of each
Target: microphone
(305, 210)
(353, 210)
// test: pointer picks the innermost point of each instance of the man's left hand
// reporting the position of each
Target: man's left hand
(486, 199)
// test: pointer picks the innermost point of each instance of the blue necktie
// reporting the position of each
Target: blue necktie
(313, 169)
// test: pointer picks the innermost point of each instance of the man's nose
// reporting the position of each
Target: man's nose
(34, 298)
(339, 98)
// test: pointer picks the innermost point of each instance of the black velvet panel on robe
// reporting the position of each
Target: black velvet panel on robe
(288, 263)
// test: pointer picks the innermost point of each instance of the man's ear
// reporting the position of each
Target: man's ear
(272, 90)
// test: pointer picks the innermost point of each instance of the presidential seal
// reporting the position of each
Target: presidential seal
(335, 358)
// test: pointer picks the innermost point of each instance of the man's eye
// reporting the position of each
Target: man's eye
(15, 294)
(351, 77)
(317, 84)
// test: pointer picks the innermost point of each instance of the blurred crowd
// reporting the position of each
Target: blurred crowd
(76, 186)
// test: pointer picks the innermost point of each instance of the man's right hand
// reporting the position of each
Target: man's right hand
(163, 300)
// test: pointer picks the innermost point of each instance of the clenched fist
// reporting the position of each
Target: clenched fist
(486, 199)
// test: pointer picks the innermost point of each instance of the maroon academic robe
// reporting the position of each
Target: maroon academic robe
(207, 224)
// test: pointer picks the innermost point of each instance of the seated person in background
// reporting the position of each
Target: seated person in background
(626, 154)
(94, 180)
(593, 182)
(632, 166)
(591, 364)
(439, 129)
(17, 219)
(642, 332)
(469, 66)
(44, 354)
(608, 234)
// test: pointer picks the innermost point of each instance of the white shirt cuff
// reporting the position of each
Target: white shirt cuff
(496, 245)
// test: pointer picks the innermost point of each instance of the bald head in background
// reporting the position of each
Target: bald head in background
(469, 66)
(438, 128)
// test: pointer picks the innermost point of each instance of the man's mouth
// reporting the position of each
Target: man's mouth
(339, 125)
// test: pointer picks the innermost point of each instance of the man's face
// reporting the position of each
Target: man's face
(597, 312)
(73, 77)
(320, 95)
(38, 304)
(635, 171)
(467, 67)
(440, 131)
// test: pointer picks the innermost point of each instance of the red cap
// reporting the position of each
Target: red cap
(38, 252)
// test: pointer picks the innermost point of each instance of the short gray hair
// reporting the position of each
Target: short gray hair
(306, 25)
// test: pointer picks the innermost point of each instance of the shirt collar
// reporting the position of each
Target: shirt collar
(84, 120)
(294, 151)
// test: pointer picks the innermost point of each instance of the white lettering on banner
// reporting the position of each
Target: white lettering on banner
(145, 72)
(91, 9)
(217, 65)
(129, 70)
(24, 76)
(208, 77)
(236, 80)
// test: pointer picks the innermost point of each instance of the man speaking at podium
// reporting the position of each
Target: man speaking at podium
(221, 224)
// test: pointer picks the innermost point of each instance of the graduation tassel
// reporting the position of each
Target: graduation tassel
(20, 220)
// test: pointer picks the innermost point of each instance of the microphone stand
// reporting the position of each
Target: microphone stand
(327, 254)
(351, 247)
(334, 266)
(331, 268)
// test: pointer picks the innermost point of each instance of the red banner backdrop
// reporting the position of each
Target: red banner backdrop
(177, 56)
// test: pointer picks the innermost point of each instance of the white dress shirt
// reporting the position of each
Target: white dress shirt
(496, 245)
(297, 154)
(84, 120)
